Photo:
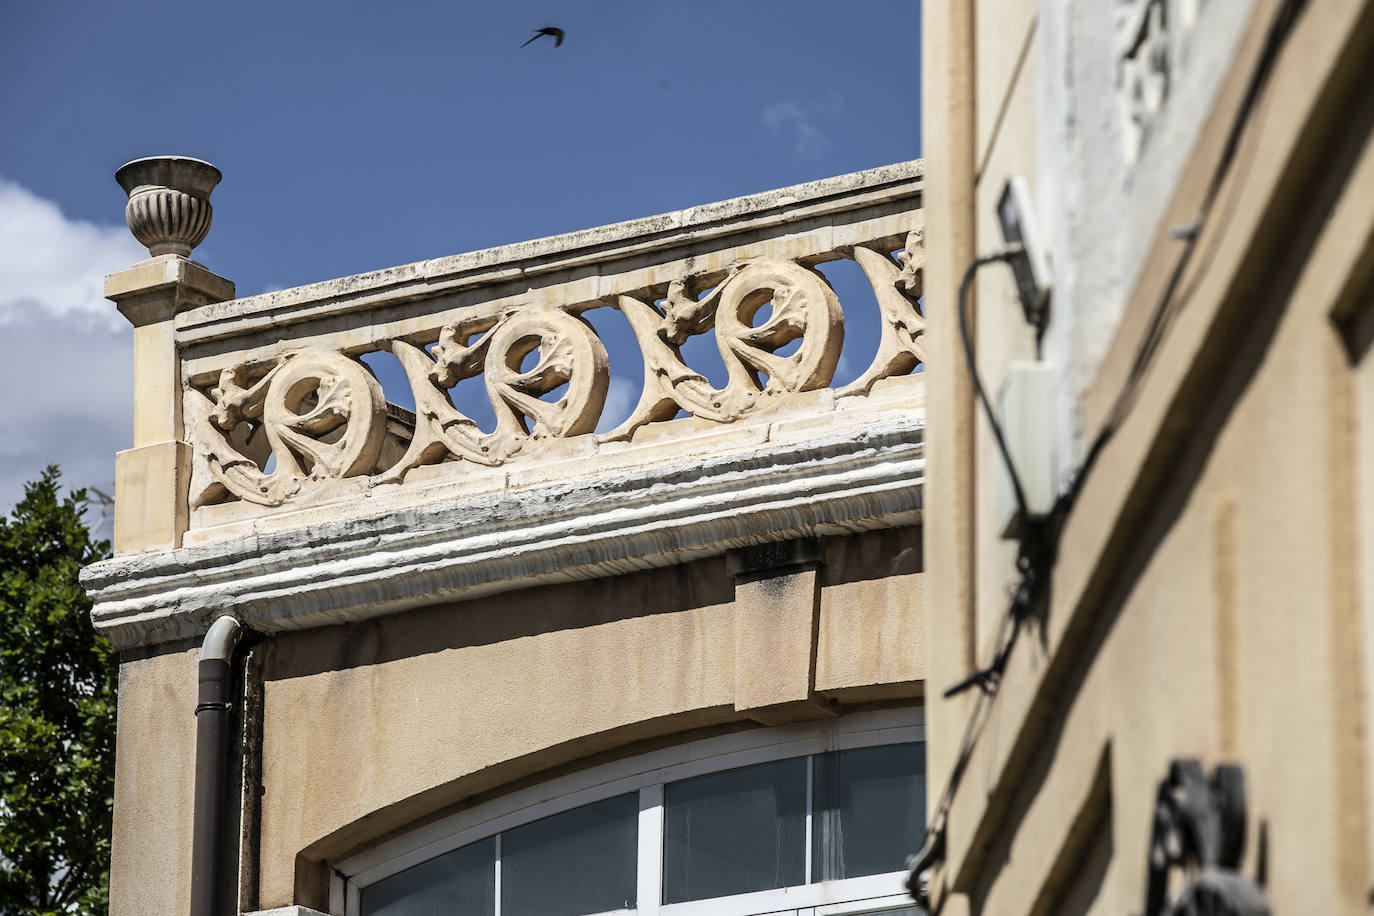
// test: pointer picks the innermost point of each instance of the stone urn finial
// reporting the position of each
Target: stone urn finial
(169, 201)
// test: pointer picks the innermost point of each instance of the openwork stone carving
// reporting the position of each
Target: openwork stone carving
(900, 350)
(568, 353)
(911, 281)
(313, 419)
(804, 308)
(169, 202)
(323, 417)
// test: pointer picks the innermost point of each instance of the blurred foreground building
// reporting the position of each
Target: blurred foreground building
(530, 659)
(1184, 717)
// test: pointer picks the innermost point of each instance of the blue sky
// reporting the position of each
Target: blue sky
(354, 136)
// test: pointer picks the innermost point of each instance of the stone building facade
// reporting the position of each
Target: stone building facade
(384, 660)
(1175, 704)
(727, 654)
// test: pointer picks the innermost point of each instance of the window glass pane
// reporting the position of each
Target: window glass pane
(868, 810)
(733, 832)
(581, 861)
(461, 883)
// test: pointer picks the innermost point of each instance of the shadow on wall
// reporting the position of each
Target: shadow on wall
(569, 606)
(500, 618)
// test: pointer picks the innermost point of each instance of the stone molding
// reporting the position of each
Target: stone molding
(347, 570)
(821, 201)
(157, 288)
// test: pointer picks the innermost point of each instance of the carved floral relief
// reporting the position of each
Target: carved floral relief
(314, 418)
(322, 416)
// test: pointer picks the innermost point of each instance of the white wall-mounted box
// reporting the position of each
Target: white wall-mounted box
(1025, 408)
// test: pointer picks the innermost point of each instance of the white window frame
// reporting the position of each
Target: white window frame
(647, 774)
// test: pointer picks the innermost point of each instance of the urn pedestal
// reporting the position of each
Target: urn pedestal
(169, 212)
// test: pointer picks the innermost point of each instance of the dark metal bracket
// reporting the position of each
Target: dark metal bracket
(1199, 826)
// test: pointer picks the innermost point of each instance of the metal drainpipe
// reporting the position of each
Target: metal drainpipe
(213, 705)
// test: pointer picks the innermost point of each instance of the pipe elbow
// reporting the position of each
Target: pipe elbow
(221, 639)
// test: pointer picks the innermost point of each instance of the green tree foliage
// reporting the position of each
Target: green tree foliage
(57, 701)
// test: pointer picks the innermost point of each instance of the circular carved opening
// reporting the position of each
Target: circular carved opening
(523, 354)
(756, 309)
(302, 396)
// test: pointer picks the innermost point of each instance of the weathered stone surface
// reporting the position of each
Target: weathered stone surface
(160, 287)
(893, 188)
(318, 570)
(150, 496)
(773, 316)
(323, 417)
(152, 479)
(150, 863)
(775, 643)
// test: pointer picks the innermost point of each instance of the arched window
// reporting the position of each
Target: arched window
(814, 819)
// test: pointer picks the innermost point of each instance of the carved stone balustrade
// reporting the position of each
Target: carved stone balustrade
(299, 448)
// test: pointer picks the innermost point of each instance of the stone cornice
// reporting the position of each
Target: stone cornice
(348, 570)
(899, 185)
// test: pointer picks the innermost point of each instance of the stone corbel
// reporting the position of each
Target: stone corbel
(777, 616)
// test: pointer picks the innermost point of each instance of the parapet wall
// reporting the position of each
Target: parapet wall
(303, 493)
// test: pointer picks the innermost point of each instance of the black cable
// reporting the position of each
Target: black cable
(1032, 551)
(1005, 254)
(1028, 560)
(988, 678)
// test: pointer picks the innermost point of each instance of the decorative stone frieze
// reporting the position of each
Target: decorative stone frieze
(320, 414)
(282, 411)
(1152, 38)
(804, 308)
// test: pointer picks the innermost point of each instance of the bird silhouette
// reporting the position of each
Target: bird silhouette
(549, 30)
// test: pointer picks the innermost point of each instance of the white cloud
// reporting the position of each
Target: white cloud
(806, 122)
(56, 266)
(65, 352)
(621, 397)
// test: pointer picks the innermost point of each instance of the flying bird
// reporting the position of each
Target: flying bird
(556, 33)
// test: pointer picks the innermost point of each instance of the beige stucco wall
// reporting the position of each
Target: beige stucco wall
(150, 869)
(1210, 598)
(371, 726)
(1230, 643)
(1006, 148)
